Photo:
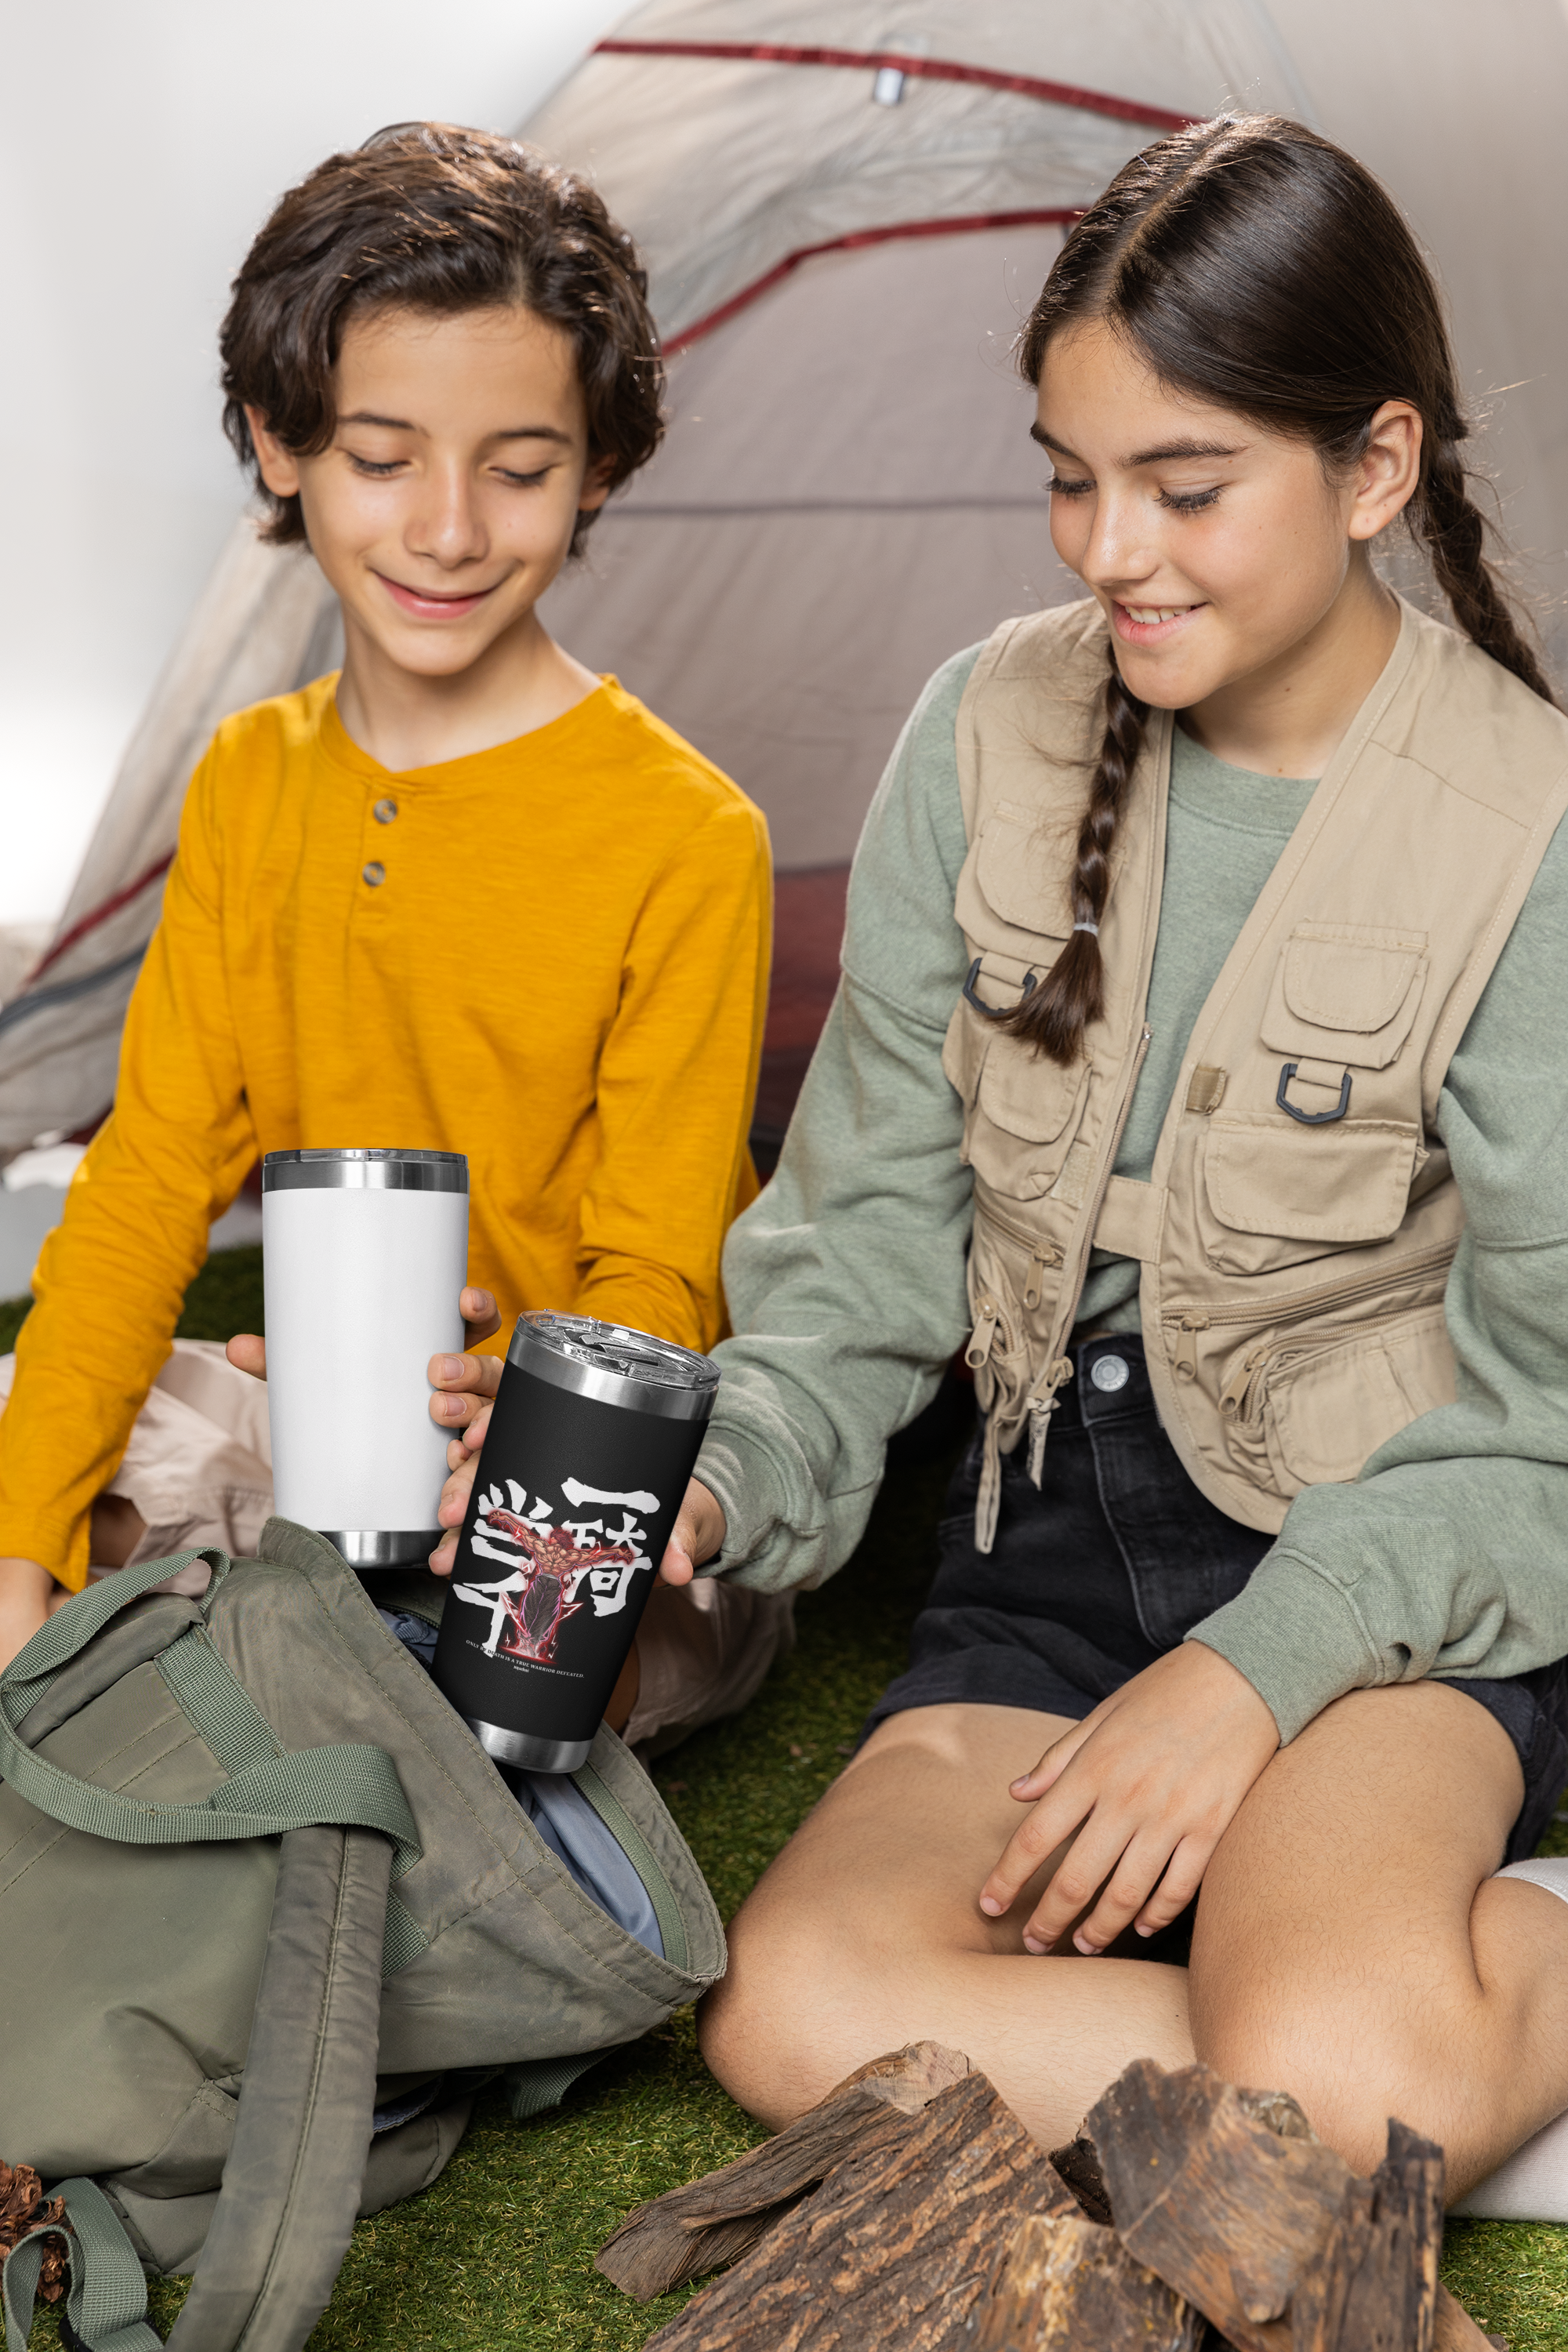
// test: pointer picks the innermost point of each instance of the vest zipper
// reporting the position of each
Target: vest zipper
(1292, 1309)
(1241, 1397)
(1184, 1363)
(982, 1339)
(1045, 1253)
(1040, 1411)
(1041, 1402)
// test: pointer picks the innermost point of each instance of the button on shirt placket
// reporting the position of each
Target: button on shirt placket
(373, 873)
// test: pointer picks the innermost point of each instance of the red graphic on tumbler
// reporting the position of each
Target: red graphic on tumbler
(554, 1572)
(533, 1598)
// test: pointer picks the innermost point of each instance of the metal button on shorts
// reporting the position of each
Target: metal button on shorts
(1109, 1373)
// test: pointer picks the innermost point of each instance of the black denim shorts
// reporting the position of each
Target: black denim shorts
(1110, 1562)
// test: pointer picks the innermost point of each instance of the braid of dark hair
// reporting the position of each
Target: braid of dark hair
(1445, 516)
(1057, 1010)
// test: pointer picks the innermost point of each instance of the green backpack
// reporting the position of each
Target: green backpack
(271, 1917)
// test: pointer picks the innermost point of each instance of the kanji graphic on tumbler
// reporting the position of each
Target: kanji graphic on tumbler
(593, 1435)
(556, 1570)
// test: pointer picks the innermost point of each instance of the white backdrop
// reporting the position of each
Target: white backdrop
(144, 142)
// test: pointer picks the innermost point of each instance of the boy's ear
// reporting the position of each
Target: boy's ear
(277, 466)
(595, 487)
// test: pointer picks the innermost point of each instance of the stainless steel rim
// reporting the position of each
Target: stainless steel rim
(688, 1396)
(384, 1547)
(521, 1749)
(365, 1172)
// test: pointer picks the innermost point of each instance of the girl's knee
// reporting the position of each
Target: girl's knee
(1348, 2075)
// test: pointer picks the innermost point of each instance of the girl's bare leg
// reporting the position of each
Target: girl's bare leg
(1352, 1946)
(866, 1933)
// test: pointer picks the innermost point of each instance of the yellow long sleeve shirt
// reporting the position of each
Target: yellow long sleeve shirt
(551, 955)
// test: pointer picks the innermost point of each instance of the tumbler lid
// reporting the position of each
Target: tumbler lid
(615, 1364)
(365, 1171)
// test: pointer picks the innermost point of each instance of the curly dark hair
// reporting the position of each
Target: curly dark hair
(426, 216)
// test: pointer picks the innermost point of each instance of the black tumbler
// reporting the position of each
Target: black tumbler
(593, 1436)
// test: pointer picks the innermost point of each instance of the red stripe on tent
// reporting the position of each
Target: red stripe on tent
(1050, 93)
(90, 922)
(959, 227)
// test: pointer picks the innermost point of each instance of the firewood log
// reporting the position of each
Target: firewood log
(1208, 2192)
(893, 2249)
(1067, 2284)
(1372, 2286)
(1078, 2164)
(714, 2220)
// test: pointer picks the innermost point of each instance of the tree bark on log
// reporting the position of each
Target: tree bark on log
(1078, 2164)
(716, 2219)
(893, 2249)
(1209, 2192)
(1373, 2285)
(1066, 2284)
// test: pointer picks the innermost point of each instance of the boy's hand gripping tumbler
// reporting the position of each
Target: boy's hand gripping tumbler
(593, 1435)
(364, 1255)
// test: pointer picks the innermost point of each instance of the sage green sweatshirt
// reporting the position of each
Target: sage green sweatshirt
(845, 1279)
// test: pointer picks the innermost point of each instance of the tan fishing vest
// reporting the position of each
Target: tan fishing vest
(1295, 1236)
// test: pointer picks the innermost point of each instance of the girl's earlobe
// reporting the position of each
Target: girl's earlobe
(1390, 469)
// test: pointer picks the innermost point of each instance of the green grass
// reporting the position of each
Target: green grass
(498, 2256)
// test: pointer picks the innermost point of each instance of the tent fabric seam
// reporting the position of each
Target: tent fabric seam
(90, 921)
(1048, 93)
(960, 225)
(65, 991)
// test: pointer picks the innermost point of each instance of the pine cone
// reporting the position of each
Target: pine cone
(23, 2207)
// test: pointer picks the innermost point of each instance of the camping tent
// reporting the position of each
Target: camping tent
(845, 210)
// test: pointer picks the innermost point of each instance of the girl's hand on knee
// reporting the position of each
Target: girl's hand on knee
(697, 1534)
(1145, 1788)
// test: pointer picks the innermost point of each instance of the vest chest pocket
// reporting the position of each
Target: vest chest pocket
(1344, 992)
(1273, 1195)
(1026, 1112)
(1021, 1110)
(1276, 1190)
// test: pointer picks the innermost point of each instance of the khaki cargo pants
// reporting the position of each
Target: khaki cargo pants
(198, 1469)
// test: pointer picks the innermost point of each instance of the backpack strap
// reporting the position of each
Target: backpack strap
(353, 1786)
(106, 2310)
(291, 2185)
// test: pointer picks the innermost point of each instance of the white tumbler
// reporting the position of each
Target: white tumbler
(365, 1255)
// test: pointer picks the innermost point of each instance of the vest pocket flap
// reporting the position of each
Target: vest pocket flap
(1348, 1182)
(1030, 1095)
(1329, 1409)
(1023, 868)
(1345, 992)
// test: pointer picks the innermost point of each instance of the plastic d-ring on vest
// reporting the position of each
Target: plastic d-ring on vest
(995, 1011)
(1313, 1117)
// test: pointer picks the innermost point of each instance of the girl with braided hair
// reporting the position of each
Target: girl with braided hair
(1198, 1069)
